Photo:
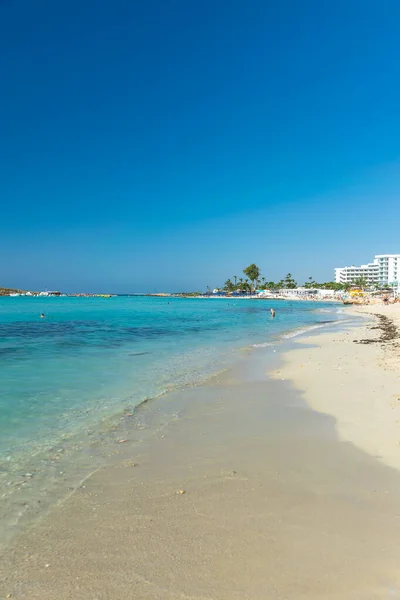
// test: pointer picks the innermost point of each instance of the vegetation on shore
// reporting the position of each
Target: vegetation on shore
(184, 294)
(7, 291)
(255, 281)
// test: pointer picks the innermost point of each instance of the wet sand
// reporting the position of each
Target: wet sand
(246, 493)
(354, 377)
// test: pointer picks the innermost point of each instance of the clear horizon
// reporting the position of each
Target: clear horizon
(168, 145)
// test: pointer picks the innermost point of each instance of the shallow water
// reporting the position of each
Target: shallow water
(247, 493)
(91, 357)
(65, 378)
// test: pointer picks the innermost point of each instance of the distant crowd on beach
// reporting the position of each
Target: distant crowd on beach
(365, 298)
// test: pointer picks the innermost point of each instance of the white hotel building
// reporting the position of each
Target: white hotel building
(385, 270)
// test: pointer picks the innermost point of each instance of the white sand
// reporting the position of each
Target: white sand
(357, 384)
(275, 507)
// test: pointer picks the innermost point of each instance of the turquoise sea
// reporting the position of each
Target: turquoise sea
(65, 376)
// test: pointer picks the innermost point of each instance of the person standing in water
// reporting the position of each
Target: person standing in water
(272, 313)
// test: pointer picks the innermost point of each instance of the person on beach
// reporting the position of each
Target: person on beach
(272, 313)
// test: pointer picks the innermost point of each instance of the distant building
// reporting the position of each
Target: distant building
(384, 270)
(49, 293)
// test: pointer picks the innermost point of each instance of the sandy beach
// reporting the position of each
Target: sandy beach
(279, 480)
(354, 381)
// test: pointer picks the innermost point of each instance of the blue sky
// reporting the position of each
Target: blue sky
(166, 145)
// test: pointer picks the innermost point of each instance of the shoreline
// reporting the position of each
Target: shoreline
(33, 485)
(355, 379)
(286, 298)
(252, 450)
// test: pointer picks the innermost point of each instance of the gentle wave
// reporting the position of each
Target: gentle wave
(291, 334)
(304, 330)
(70, 378)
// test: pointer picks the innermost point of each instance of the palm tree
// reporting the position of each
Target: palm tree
(228, 285)
(235, 278)
(310, 283)
(289, 281)
(360, 282)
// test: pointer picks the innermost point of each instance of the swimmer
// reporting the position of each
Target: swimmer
(42, 315)
(272, 312)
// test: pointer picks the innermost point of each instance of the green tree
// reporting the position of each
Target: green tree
(333, 285)
(245, 286)
(228, 286)
(253, 273)
(235, 278)
(240, 284)
(360, 282)
(310, 283)
(289, 282)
